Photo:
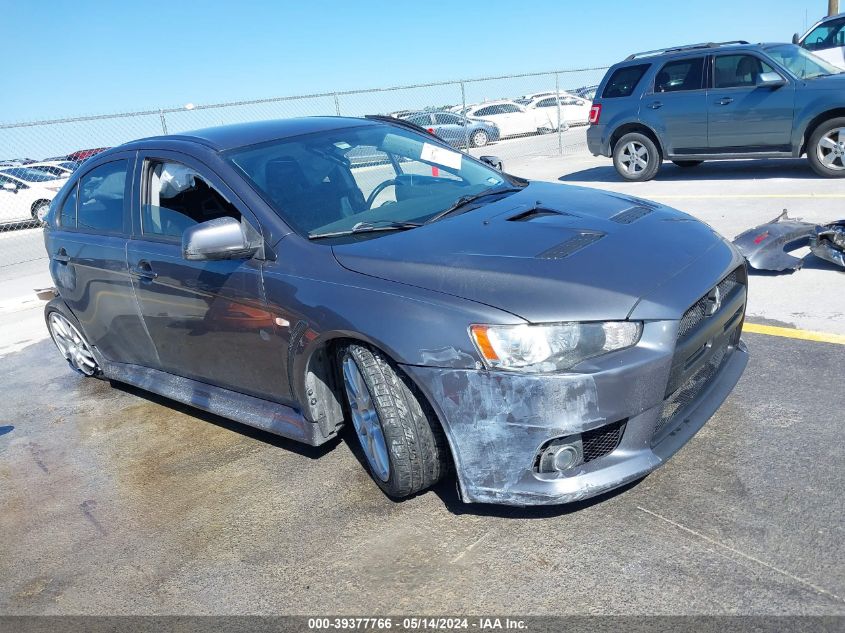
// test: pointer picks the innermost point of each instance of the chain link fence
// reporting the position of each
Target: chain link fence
(513, 117)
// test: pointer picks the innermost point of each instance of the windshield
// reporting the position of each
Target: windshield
(800, 62)
(29, 175)
(329, 182)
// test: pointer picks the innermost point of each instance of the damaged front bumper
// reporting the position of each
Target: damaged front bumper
(629, 411)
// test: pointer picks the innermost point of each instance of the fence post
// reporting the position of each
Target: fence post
(464, 115)
(163, 122)
(336, 104)
(559, 122)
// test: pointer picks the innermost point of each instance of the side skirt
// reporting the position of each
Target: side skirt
(262, 414)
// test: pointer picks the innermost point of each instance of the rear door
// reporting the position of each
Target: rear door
(675, 106)
(87, 248)
(207, 319)
(743, 117)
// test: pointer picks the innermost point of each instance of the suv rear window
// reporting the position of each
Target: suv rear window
(623, 81)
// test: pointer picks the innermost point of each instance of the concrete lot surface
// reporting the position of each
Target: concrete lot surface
(113, 501)
(117, 502)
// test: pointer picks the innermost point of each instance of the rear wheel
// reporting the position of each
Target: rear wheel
(479, 138)
(636, 157)
(826, 149)
(71, 343)
(39, 211)
(401, 440)
(687, 163)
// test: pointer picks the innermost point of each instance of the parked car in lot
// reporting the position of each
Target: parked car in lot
(25, 194)
(56, 169)
(715, 101)
(84, 154)
(585, 92)
(511, 118)
(573, 110)
(826, 39)
(549, 350)
(454, 128)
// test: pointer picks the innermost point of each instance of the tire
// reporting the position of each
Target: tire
(479, 138)
(414, 447)
(826, 148)
(687, 163)
(39, 210)
(70, 340)
(645, 149)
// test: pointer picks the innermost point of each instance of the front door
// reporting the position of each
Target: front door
(742, 116)
(676, 106)
(208, 319)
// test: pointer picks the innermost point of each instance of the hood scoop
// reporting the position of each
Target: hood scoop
(537, 212)
(574, 244)
(631, 215)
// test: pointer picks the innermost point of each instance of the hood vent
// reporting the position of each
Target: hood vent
(572, 245)
(535, 213)
(631, 215)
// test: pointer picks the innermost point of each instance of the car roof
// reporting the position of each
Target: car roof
(225, 137)
(488, 103)
(688, 49)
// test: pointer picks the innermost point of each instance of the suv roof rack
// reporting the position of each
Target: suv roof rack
(687, 47)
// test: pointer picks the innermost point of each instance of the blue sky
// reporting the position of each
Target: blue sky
(85, 57)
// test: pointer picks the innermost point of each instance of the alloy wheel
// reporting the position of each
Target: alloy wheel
(634, 157)
(831, 149)
(365, 419)
(72, 345)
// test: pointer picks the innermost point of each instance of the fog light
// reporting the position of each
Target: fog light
(561, 454)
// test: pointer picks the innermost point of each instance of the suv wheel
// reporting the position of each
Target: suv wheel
(403, 444)
(479, 138)
(826, 149)
(636, 157)
(687, 163)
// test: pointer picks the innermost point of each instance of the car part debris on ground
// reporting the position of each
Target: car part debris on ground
(769, 246)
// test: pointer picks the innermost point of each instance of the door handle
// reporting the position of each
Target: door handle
(61, 256)
(725, 101)
(655, 105)
(143, 271)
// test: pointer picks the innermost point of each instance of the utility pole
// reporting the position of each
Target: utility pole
(832, 7)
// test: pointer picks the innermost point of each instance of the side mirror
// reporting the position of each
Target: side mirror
(796, 38)
(770, 80)
(221, 238)
(494, 161)
(8, 186)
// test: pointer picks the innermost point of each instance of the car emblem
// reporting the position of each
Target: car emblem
(713, 301)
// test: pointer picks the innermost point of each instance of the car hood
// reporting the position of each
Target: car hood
(828, 82)
(547, 253)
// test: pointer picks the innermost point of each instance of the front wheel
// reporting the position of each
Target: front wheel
(687, 163)
(401, 440)
(636, 157)
(826, 149)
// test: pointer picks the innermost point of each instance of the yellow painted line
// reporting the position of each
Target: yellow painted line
(726, 196)
(788, 332)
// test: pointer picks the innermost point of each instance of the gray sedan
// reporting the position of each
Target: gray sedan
(455, 129)
(545, 343)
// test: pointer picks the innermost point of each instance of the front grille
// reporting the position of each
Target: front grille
(698, 312)
(602, 441)
(679, 401)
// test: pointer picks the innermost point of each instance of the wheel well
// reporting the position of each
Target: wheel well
(38, 202)
(324, 389)
(622, 130)
(818, 120)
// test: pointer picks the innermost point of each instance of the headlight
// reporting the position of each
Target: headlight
(551, 347)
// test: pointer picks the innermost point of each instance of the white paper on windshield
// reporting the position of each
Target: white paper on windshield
(440, 155)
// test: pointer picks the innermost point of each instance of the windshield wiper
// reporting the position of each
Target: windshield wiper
(368, 227)
(465, 200)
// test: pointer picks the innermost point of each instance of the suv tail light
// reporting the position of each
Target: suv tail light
(595, 114)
